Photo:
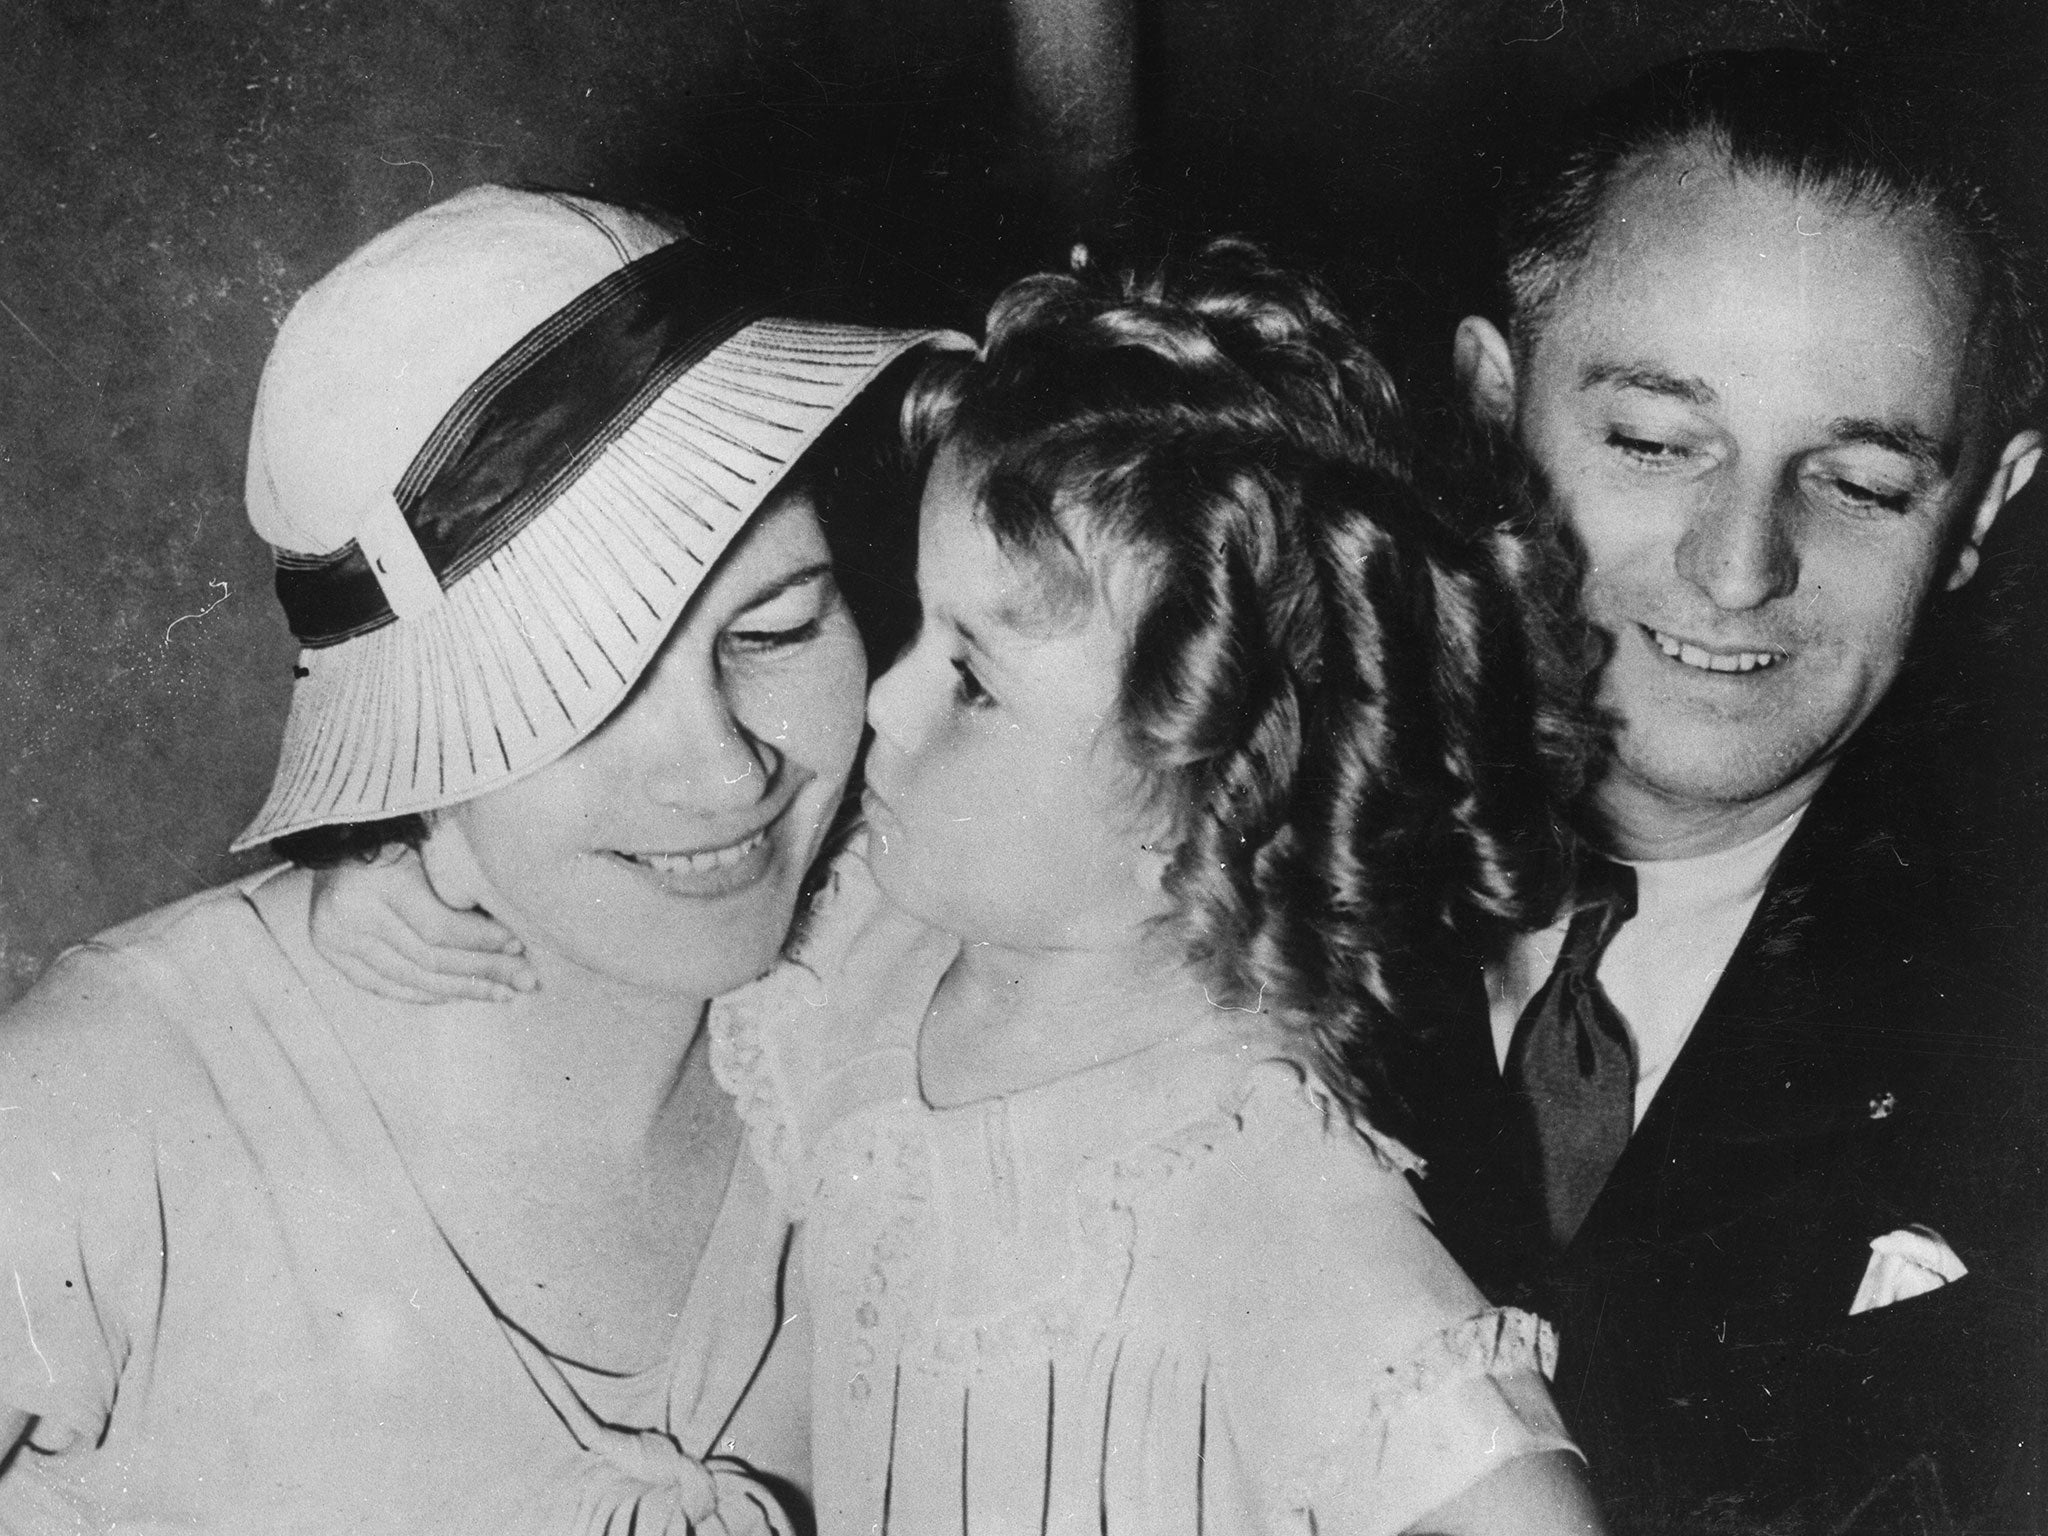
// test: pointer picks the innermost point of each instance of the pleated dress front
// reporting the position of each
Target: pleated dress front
(1178, 1292)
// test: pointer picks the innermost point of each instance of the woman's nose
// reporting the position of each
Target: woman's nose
(699, 756)
(1739, 547)
(707, 776)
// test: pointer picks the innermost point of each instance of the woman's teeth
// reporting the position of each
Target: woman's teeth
(1693, 656)
(701, 863)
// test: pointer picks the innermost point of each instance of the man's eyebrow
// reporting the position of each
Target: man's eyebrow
(1649, 380)
(782, 584)
(1900, 438)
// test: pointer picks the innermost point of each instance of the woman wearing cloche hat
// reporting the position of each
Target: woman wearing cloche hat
(288, 1256)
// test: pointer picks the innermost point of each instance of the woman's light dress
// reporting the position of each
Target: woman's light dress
(1178, 1292)
(230, 1309)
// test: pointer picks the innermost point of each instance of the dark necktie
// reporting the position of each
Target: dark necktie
(1571, 1065)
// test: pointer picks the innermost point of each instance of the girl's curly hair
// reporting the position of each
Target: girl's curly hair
(1344, 702)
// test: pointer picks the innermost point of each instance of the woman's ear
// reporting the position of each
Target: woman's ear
(1485, 366)
(451, 867)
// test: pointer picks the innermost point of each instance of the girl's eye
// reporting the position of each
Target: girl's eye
(967, 687)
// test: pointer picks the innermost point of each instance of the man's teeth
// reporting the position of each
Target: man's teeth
(700, 863)
(1693, 656)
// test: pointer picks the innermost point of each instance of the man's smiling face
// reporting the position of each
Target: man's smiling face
(1747, 402)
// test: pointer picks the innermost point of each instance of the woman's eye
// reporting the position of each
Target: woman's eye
(762, 639)
(791, 618)
(967, 687)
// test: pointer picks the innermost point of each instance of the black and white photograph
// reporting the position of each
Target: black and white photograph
(1083, 767)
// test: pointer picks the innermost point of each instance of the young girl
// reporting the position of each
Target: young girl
(1180, 807)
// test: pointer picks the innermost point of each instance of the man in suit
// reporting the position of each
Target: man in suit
(1758, 1130)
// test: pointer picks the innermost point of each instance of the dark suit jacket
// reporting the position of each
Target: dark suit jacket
(1868, 1061)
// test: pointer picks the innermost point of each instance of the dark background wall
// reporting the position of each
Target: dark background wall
(175, 173)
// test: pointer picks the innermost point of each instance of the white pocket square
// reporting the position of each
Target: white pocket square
(1909, 1262)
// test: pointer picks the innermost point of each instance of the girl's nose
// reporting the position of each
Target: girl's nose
(889, 700)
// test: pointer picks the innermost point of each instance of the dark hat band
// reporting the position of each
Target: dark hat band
(529, 426)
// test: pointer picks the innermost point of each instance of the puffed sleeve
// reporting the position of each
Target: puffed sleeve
(82, 1245)
(1367, 1380)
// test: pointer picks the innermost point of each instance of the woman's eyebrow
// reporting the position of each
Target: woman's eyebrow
(782, 584)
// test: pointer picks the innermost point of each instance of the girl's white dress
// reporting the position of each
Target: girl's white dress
(1175, 1293)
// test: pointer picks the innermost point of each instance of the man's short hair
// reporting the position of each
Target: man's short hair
(1817, 124)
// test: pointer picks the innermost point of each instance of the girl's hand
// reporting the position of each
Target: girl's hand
(1540, 1495)
(382, 926)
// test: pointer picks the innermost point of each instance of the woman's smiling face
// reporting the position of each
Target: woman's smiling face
(667, 849)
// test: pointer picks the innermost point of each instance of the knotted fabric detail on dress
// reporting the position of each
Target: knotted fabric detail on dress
(1571, 1064)
(645, 1482)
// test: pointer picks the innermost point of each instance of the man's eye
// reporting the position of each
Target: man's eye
(1863, 496)
(1647, 450)
(967, 687)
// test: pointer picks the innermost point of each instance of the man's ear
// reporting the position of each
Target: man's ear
(1485, 365)
(2016, 467)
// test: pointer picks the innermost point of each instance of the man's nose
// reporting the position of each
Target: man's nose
(1739, 546)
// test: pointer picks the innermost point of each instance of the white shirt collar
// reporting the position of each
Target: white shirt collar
(1663, 965)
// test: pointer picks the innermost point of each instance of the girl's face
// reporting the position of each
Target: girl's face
(1001, 805)
(667, 849)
